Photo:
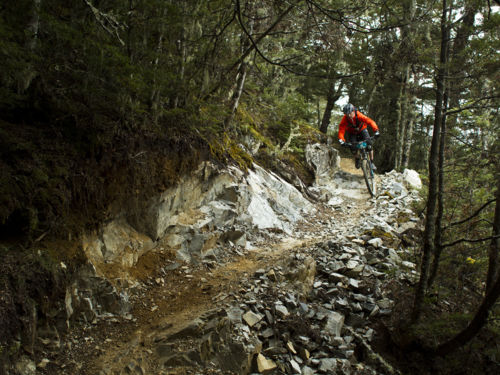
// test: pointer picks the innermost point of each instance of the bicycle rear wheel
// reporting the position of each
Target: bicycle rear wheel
(369, 177)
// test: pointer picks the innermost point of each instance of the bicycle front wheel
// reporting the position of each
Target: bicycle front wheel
(369, 177)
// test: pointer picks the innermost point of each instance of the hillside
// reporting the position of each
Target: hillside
(156, 147)
(215, 313)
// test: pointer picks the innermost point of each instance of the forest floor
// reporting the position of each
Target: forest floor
(172, 300)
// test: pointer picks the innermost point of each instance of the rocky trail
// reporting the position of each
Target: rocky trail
(303, 302)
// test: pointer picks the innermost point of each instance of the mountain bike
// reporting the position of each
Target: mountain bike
(361, 152)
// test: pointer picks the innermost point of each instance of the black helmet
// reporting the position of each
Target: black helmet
(348, 108)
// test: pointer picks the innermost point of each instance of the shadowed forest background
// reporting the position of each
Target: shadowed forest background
(104, 103)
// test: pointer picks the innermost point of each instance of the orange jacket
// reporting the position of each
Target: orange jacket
(350, 126)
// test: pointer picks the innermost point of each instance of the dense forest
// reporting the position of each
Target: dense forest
(103, 103)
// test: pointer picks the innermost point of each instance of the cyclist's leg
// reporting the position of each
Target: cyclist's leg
(365, 136)
(349, 137)
(354, 138)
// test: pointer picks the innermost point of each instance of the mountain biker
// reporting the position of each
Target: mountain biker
(354, 126)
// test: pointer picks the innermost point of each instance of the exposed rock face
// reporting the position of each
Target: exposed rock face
(274, 203)
(305, 314)
(91, 296)
(324, 160)
(208, 208)
(118, 243)
(203, 209)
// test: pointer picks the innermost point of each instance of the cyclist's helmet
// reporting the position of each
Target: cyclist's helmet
(348, 108)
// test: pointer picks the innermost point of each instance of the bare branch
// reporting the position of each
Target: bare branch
(106, 20)
(459, 139)
(472, 105)
(224, 27)
(478, 211)
(262, 36)
(351, 25)
(469, 241)
(277, 62)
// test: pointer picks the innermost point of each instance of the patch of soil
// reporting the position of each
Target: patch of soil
(348, 165)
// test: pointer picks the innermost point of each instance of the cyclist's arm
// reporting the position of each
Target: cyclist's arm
(368, 121)
(342, 128)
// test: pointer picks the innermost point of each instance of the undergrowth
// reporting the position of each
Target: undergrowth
(30, 282)
(444, 314)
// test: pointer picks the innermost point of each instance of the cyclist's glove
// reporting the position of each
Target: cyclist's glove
(377, 134)
(343, 143)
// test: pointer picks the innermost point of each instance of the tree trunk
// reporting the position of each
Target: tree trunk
(438, 248)
(494, 263)
(372, 95)
(155, 98)
(33, 26)
(30, 43)
(402, 108)
(331, 99)
(428, 246)
(428, 127)
(453, 94)
(318, 112)
(181, 48)
(235, 99)
(457, 58)
(399, 124)
(408, 140)
(242, 70)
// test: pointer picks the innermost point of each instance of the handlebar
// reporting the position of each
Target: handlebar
(361, 144)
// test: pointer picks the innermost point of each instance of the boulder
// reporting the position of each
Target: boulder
(117, 242)
(324, 160)
(411, 179)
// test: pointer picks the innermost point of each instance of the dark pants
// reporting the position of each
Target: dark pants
(361, 136)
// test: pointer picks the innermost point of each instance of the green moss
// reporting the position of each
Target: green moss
(308, 135)
(279, 132)
(238, 154)
(29, 278)
(228, 150)
(377, 232)
(260, 137)
(297, 161)
(402, 217)
(387, 194)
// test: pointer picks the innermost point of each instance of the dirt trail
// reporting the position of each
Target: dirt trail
(347, 165)
(168, 306)
(172, 300)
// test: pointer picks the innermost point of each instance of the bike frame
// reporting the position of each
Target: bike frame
(366, 166)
